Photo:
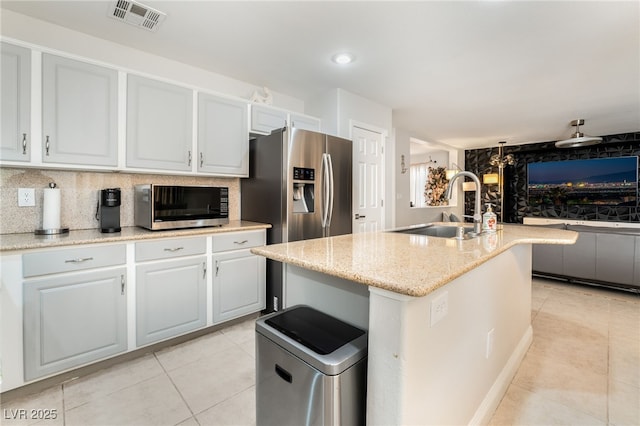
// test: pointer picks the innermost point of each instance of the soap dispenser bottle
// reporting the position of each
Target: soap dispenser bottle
(489, 220)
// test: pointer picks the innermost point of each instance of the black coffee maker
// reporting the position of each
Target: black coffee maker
(109, 209)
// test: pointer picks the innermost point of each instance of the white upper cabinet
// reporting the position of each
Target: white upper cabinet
(79, 112)
(304, 122)
(16, 103)
(159, 125)
(223, 138)
(265, 119)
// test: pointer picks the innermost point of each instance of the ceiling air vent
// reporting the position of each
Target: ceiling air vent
(137, 14)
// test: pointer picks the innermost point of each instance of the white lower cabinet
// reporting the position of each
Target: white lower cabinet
(239, 278)
(76, 317)
(171, 294)
(66, 307)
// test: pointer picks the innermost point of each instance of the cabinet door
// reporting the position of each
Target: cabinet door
(73, 319)
(238, 284)
(170, 298)
(547, 258)
(304, 122)
(636, 270)
(264, 119)
(16, 103)
(223, 139)
(79, 112)
(159, 125)
(615, 255)
(579, 259)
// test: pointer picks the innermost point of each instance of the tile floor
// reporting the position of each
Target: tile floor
(583, 368)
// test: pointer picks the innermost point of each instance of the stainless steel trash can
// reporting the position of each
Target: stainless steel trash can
(310, 369)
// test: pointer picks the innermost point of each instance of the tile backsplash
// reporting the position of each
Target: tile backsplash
(80, 192)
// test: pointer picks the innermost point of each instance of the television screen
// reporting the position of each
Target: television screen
(602, 181)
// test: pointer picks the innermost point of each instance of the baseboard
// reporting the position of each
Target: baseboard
(491, 401)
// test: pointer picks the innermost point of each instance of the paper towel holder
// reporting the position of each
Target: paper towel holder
(56, 231)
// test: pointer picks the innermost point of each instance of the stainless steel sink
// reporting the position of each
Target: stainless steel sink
(442, 231)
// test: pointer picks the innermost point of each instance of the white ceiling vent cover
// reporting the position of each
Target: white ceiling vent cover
(137, 14)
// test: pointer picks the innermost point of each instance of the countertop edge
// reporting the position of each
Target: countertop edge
(10, 243)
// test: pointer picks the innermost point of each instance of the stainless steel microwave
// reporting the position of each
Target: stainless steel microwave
(173, 207)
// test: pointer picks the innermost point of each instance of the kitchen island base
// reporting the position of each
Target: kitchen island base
(444, 358)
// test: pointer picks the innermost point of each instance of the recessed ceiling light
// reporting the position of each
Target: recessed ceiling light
(342, 58)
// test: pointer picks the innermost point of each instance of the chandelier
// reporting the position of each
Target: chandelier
(501, 161)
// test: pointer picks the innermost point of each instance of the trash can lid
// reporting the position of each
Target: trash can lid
(316, 330)
(329, 345)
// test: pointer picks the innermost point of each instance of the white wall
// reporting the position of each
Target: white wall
(357, 108)
(44, 34)
(404, 214)
(325, 107)
(447, 373)
(339, 110)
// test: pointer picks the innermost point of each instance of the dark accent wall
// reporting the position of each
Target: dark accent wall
(515, 179)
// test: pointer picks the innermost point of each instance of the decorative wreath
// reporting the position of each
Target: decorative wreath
(435, 187)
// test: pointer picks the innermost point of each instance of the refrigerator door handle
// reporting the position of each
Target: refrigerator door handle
(325, 189)
(331, 192)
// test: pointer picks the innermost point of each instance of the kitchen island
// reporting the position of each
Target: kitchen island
(449, 320)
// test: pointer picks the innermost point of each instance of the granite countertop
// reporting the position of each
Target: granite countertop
(414, 265)
(25, 241)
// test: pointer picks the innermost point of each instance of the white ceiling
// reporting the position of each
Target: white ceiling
(466, 74)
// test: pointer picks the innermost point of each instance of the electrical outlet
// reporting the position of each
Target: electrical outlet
(490, 340)
(439, 308)
(26, 197)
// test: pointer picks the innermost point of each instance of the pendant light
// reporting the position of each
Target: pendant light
(578, 139)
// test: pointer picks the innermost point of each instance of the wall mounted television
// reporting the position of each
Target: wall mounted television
(596, 181)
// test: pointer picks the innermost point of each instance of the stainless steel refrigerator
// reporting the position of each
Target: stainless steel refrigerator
(299, 182)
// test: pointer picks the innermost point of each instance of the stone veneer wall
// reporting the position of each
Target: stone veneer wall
(515, 196)
(80, 194)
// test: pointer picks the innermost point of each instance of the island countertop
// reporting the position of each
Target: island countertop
(414, 265)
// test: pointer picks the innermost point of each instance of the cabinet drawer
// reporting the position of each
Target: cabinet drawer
(169, 248)
(75, 259)
(238, 240)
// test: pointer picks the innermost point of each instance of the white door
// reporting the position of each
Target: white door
(368, 186)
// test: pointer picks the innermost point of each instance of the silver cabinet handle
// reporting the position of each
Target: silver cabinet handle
(47, 145)
(241, 242)
(201, 159)
(204, 272)
(122, 282)
(24, 144)
(358, 216)
(174, 249)
(189, 157)
(217, 267)
(78, 260)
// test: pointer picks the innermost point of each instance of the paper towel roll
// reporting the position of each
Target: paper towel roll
(51, 209)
